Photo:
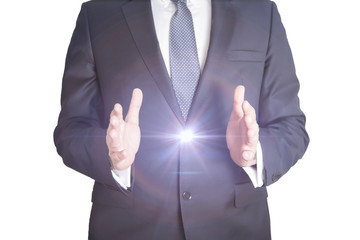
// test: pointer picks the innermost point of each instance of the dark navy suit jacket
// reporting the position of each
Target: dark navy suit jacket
(114, 49)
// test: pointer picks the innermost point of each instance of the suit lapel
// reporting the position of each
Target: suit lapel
(138, 15)
(222, 23)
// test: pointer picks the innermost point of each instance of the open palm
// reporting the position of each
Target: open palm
(242, 133)
(123, 136)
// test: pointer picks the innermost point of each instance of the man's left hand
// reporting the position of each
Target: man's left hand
(242, 133)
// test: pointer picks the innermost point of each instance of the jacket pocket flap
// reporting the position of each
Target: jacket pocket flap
(246, 194)
(245, 56)
(106, 195)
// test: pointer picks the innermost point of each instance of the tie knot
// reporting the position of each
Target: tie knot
(182, 1)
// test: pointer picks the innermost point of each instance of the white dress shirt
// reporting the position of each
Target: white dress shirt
(163, 10)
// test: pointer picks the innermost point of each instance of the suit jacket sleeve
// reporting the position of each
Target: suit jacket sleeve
(81, 131)
(282, 124)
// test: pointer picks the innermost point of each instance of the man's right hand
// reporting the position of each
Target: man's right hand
(123, 136)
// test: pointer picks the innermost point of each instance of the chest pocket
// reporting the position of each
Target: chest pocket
(245, 56)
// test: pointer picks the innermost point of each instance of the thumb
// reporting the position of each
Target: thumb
(135, 105)
(239, 94)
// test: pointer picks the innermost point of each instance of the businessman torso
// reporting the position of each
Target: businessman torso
(179, 189)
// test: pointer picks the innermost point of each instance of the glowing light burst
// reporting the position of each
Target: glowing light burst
(187, 136)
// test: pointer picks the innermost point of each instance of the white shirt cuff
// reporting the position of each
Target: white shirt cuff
(122, 177)
(255, 173)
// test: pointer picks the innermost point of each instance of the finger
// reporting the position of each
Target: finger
(250, 116)
(248, 110)
(251, 124)
(253, 138)
(239, 94)
(135, 105)
(117, 111)
(116, 116)
(252, 132)
(114, 122)
(114, 142)
(249, 157)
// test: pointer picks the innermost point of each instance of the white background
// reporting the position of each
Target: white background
(40, 198)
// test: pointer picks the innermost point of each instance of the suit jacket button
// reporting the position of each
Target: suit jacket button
(186, 195)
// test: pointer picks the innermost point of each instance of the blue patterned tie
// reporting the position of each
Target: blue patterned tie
(184, 62)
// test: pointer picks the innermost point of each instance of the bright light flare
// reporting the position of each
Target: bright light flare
(187, 136)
